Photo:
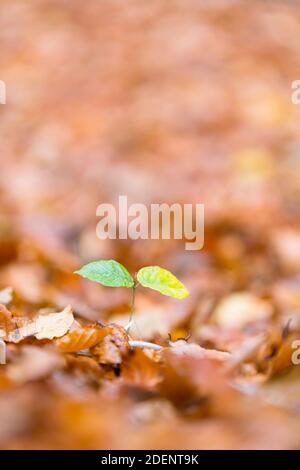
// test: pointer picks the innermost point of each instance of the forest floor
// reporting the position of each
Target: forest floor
(181, 101)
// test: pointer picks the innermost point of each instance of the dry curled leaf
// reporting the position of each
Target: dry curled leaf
(48, 326)
(7, 322)
(113, 347)
(54, 325)
(5, 315)
(21, 333)
(82, 337)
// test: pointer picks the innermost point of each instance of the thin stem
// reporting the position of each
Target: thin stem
(132, 304)
(130, 322)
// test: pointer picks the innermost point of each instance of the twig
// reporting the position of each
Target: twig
(132, 344)
(144, 344)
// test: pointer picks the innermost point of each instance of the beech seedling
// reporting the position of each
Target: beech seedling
(113, 274)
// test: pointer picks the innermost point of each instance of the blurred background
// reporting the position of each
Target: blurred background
(163, 101)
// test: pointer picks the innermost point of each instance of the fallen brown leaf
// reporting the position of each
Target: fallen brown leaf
(113, 347)
(48, 326)
(82, 337)
(182, 347)
(139, 370)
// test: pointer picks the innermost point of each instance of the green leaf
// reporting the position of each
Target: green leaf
(107, 272)
(163, 281)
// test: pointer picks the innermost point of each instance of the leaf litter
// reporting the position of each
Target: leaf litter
(167, 124)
